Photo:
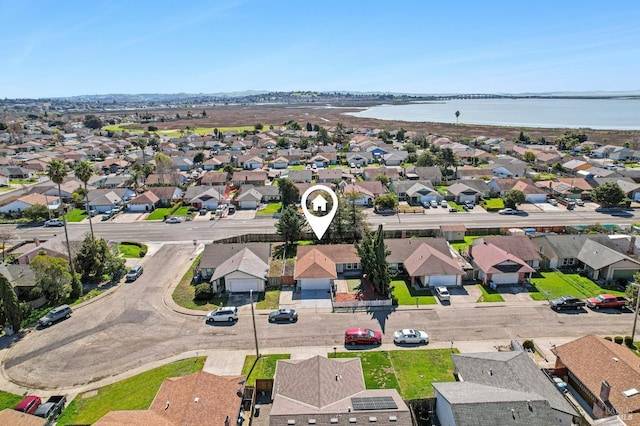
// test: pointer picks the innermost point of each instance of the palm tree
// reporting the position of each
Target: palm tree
(83, 171)
(57, 171)
(457, 115)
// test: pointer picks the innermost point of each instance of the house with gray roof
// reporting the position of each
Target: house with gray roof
(604, 263)
(249, 198)
(269, 193)
(461, 193)
(414, 192)
(561, 251)
(500, 388)
(327, 391)
(240, 273)
(432, 174)
(300, 176)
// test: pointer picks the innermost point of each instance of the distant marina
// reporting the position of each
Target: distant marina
(605, 114)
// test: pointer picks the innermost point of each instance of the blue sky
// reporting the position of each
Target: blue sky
(68, 47)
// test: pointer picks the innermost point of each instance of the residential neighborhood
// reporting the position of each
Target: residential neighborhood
(234, 178)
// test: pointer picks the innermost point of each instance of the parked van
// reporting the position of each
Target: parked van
(222, 210)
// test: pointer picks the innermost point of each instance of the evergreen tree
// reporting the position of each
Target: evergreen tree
(289, 193)
(289, 225)
(10, 312)
(373, 254)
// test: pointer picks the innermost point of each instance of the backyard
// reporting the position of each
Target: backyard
(264, 368)
(550, 285)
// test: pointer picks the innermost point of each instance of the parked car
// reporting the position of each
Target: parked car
(579, 202)
(426, 205)
(54, 222)
(552, 201)
(409, 335)
(93, 212)
(204, 211)
(56, 314)
(560, 384)
(606, 301)
(443, 294)
(453, 210)
(362, 336)
(508, 211)
(566, 302)
(29, 404)
(434, 204)
(227, 313)
(173, 219)
(107, 215)
(51, 409)
(469, 204)
(288, 315)
(444, 204)
(134, 273)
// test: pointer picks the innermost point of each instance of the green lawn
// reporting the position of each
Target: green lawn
(22, 181)
(134, 393)
(131, 251)
(158, 214)
(265, 368)
(464, 245)
(411, 372)
(269, 300)
(489, 295)
(76, 215)
(555, 284)
(354, 285)
(9, 400)
(494, 203)
(296, 167)
(270, 209)
(406, 295)
(184, 293)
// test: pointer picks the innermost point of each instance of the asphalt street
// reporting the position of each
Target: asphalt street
(134, 327)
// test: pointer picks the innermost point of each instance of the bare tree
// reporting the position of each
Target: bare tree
(6, 234)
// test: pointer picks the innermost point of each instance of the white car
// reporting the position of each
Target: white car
(174, 219)
(53, 222)
(579, 202)
(409, 335)
(227, 313)
(552, 202)
(434, 203)
(443, 294)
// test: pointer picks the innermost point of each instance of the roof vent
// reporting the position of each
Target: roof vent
(491, 371)
(615, 359)
(196, 399)
(630, 392)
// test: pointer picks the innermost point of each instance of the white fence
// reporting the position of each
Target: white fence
(360, 304)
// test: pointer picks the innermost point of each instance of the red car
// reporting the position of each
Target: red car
(362, 336)
(29, 404)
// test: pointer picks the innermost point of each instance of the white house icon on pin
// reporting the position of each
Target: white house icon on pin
(319, 204)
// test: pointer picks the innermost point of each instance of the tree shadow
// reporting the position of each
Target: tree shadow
(381, 314)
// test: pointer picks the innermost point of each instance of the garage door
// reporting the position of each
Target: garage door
(315, 284)
(446, 280)
(505, 278)
(624, 274)
(243, 285)
(248, 204)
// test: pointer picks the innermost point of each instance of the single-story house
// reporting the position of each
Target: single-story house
(254, 177)
(561, 251)
(215, 255)
(453, 232)
(605, 374)
(29, 200)
(519, 245)
(414, 192)
(500, 388)
(57, 245)
(462, 193)
(604, 263)
(249, 199)
(197, 399)
(167, 195)
(317, 266)
(240, 273)
(327, 391)
(145, 202)
(496, 266)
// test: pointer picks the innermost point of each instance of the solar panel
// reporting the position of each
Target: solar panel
(373, 403)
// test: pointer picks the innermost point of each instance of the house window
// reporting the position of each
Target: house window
(569, 261)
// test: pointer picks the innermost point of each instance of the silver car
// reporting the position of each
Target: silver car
(227, 313)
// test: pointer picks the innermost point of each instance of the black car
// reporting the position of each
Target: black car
(287, 315)
(566, 302)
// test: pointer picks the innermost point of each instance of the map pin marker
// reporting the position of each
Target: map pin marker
(319, 224)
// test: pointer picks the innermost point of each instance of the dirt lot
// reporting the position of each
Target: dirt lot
(248, 115)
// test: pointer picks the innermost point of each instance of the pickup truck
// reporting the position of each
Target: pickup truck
(566, 302)
(606, 301)
(51, 409)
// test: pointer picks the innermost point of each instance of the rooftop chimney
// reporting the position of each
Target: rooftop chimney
(605, 390)
(632, 244)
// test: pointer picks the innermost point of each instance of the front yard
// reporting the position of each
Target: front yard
(489, 295)
(159, 214)
(550, 285)
(407, 295)
(134, 393)
(410, 371)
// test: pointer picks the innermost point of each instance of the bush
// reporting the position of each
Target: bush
(203, 291)
(608, 338)
(528, 345)
(618, 339)
(628, 340)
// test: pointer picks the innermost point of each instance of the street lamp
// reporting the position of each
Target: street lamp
(253, 318)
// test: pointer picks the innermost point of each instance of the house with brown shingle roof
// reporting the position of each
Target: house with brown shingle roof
(317, 266)
(606, 375)
(144, 202)
(519, 245)
(493, 265)
(166, 194)
(26, 201)
(12, 417)
(326, 391)
(196, 399)
(428, 262)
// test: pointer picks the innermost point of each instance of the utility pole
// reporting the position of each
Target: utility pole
(635, 313)
(253, 318)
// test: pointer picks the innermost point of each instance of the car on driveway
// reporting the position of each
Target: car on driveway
(560, 384)
(443, 294)
(56, 314)
(362, 336)
(134, 273)
(227, 313)
(552, 201)
(409, 335)
(54, 222)
(283, 315)
(174, 219)
(566, 302)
